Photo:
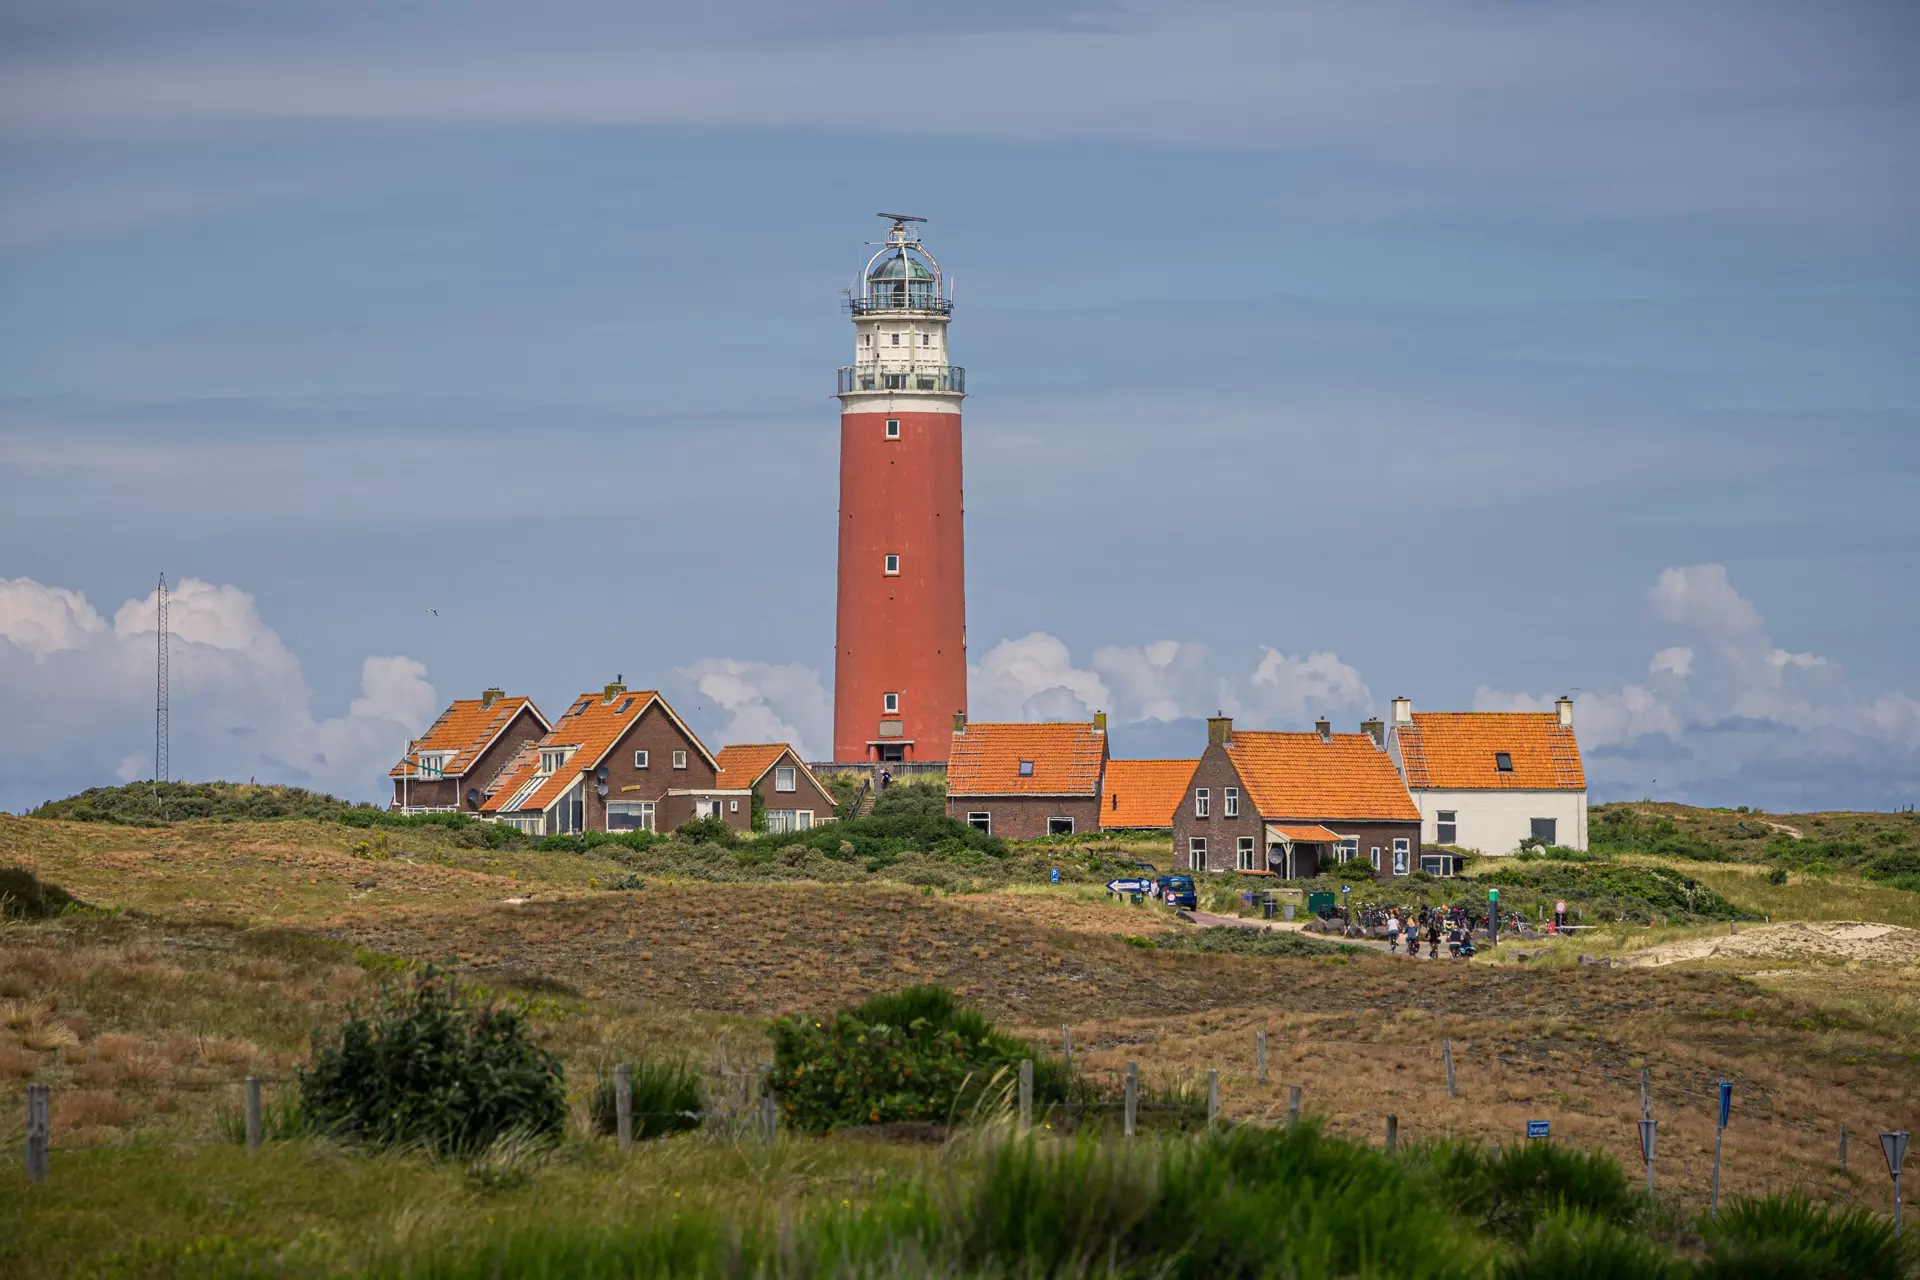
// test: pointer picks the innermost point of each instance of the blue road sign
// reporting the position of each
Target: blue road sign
(1539, 1128)
(1129, 886)
(1056, 875)
(1726, 1102)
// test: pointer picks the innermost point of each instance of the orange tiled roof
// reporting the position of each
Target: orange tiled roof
(591, 725)
(985, 759)
(465, 727)
(1144, 793)
(1312, 835)
(1298, 775)
(749, 763)
(1456, 749)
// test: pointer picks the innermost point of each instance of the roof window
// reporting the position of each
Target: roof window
(1026, 768)
(1503, 761)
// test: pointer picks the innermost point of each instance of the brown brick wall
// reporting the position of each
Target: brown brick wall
(442, 791)
(805, 796)
(655, 733)
(1025, 817)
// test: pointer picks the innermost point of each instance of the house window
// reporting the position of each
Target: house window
(1445, 830)
(433, 765)
(896, 339)
(786, 778)
(890, 704)
(893, 566)
(1543, 829)
(1059, 826)
(571, 813)
(893, 428)
(679, 759)
(551, 761)
(803, 820)
(1196, 853)
(781, 821)
(1202, 802)
(981, 821)
(1437, 864)
(629, 815)
(1243, 856)
(1349, 848)
(639, 759)
(733, 806)
(1231, 798)
(1503, 761)
(1026, 768)
(1376, 857)
(1401, 848)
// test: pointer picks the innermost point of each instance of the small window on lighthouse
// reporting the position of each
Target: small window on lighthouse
(893, 564)
(893, 428)
(896, 339)
(890, 702)
(926, 339)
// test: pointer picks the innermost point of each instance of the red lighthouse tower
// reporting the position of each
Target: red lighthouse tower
(900, 656)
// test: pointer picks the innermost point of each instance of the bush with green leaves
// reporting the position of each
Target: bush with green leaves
(880, 838)
(913, 1055)
(1508, 1192)
(667, 1094)
(1604, 891)
(1802, 1238)
(428, 1065)
(1577, 1246)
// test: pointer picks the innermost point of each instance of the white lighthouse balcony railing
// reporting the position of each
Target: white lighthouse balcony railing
(950, 378)
(915, 300)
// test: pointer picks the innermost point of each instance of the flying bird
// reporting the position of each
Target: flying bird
(434, 612)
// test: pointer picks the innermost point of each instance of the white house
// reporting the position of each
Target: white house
(1486, 780)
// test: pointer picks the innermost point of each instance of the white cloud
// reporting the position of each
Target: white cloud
(766, 702)
(1730, 718)
(80, 692)
(1033, 678)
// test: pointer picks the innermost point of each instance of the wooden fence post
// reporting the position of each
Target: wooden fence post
(1213, 1096)
(1393, 1134)
(623, 1105)
(1133, 1097)
(1446, 1056)
(253, 1114)
(1843, 1148)
(1260, 1053)
(39, 1127)
(1026, 1094)
(1293, 1106)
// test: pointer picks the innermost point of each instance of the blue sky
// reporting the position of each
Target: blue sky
(1473, 351)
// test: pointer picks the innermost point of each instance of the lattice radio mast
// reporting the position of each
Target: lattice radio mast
(160, 692)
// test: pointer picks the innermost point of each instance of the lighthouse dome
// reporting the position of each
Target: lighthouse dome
(899, 265)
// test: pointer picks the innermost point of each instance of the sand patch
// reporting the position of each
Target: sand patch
(1833, 942)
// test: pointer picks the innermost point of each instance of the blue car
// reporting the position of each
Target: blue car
(1182, 889)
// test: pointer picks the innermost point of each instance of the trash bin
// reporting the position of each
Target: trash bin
(1288, 911)
(1266, 907)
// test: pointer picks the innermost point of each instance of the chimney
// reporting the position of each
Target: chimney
(1099, 722)
(1377, 731)
(1402, 711)
(959, 722)
(615, 689)
(1565, 707)
(1325, 729)
(1220, 731)
(491, 696)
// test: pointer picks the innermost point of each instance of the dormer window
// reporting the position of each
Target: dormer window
(1026, 768)
(552, 761)
(433, 763)
(1503, 761)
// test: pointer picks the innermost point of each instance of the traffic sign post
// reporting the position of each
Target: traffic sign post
(1493, 917)
(1647, 1128)
(1726, 1113)
(1127, 886)
(1540, 1129)
(1894, 1147)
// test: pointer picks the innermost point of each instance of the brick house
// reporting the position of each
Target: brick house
(1486, 780)
(448, 768)
(1142, 794)
(1289, 804)
(617, 761)
(1023, 781)
(790, 795)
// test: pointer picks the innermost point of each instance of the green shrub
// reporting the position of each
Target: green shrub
(23, 896)
(1796, 1236)
(912, 798)
(916, 1054)
(668, 1096)
(889, 835)
(1605, 890)
(1575, 1246)
(429, 1066)
(1776, 875)
(711, 830)
(1510, 1192)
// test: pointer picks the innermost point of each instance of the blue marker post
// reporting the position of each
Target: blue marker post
(1056, 875)
(1726, 1112)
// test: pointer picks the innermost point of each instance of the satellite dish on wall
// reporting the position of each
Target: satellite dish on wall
(602, 789)
(601, 773)
(473, 795)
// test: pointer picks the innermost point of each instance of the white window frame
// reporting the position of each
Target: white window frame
(733, 806)
(1446, 818)
(893, 428)
(890, 704)
(1375, 856)
(641, 809)
(1244, 854)
(1230, 801)
(1059, 818)
(639, 759)
(890, 564)
(1202, 802)
(1196, 853)
(803, 819)
(679, 759)
(1349, 847)
(1554, 823)
(981, 820)
(786, 778)
(1402, 855)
